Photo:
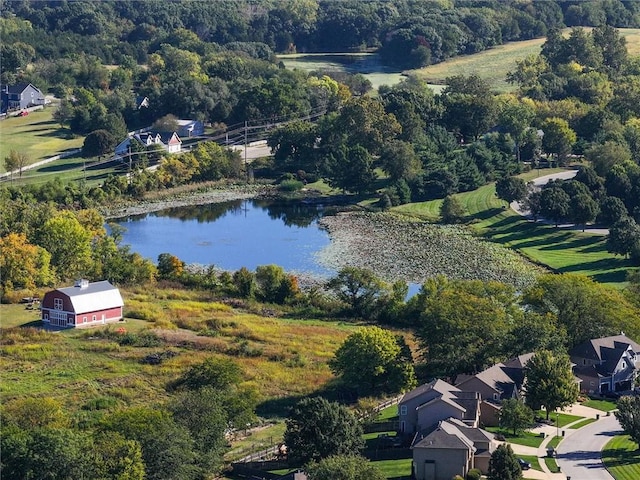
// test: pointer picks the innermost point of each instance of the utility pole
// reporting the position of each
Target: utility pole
(246, 166)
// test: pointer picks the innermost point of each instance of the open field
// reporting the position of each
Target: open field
(563, 250)
(622, 458)
(282, 358)
(494, 64)
(37, 135)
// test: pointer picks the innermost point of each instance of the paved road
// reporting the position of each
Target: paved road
(579, 456)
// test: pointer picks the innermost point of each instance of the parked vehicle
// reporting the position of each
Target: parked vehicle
(524, 465)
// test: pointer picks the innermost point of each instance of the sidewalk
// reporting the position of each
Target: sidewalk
(550, 432)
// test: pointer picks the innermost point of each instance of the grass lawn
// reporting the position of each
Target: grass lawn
(37, 135)
(604, 405)
(555, 441)
(582, 423)
(563, 419)
(552, 465)
(622, 458)
(564, 251)
(395, 469)
(523, 438)
(494, 64)
(533, 460)
(389, 413)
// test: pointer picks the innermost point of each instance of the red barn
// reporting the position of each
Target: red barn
(83, 305)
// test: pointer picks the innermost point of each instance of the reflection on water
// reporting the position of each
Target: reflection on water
(233, 234)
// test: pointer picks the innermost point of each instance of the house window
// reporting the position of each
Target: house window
(403, 410)
(57, 303)
(584, 361)
(93, 318)
(84, 319)
(496, 396)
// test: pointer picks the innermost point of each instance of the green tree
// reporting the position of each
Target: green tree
(558, 138)
(23, 265)
(624, 237)
(98, 143)
(554, 204)
(317, 429)
(399, 160)
(33, 413)
(372, 360)
(350, 169)
(511, 189)
(344, 467)
(357, 287)
(69, 244)
(462, 325)
(274, 285)
(515, 415)
(16, 161)
(116, 457)
(549, 381)
(167, 448)
(244, 282)
(516, 118)
(170, 266)
(628, 414)
(584, 209)
(504, 465)
(451, 210)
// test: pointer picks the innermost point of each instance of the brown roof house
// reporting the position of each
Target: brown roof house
(608, 364)
(451, 448)
(83, 305)
(497, 383)
(427, 404)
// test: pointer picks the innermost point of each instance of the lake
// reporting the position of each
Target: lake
(231, 235)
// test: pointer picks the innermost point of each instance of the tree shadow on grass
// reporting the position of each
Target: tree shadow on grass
(485, 214)
(616, 276)
(60, 168)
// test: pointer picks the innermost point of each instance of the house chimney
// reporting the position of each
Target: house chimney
(82, 283)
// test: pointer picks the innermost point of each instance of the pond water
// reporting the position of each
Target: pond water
(231, 235)
(368, 64)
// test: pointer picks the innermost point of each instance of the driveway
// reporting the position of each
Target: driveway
(579, 456)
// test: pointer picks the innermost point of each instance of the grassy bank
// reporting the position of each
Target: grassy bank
(563, 250)
(37, 135)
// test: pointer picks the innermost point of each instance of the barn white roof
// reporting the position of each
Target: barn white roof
(90, 297)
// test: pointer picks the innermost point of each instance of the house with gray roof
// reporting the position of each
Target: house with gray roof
(20, 96)
(83, 305)
(432, 402)
(608, 364)
(451, 448)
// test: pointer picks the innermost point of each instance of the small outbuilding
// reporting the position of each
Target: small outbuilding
(83, 305)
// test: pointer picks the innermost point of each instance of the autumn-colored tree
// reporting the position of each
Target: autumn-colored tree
(23, 264)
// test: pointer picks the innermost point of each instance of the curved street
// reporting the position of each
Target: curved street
(579, 456)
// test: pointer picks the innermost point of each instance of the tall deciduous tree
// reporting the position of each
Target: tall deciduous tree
(16, 161)
(515, 415)
(372, 360)
(98, 143)
(23, 264)
(584, 209)
(624, 237)
(511, 189)
(558, 137)
(549, 381)
(554, 204)
(344, 467)
(357, 287)
(69, 244)
(317, 429)
(628, 414)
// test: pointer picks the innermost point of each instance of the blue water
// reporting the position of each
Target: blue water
(233, 235)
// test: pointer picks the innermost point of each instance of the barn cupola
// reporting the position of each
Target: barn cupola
(82, 283)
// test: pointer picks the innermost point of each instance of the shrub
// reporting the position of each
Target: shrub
(290, 185)
(100, 403)
(474, 474)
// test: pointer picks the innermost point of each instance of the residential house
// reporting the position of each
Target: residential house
(432, 402)
(169, 141)
(495, 384)
(85, 304)
(190, 128)
(20, 96)
(608, 364)
(451, 448)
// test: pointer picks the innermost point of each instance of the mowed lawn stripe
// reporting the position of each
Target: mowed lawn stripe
(622, 458)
